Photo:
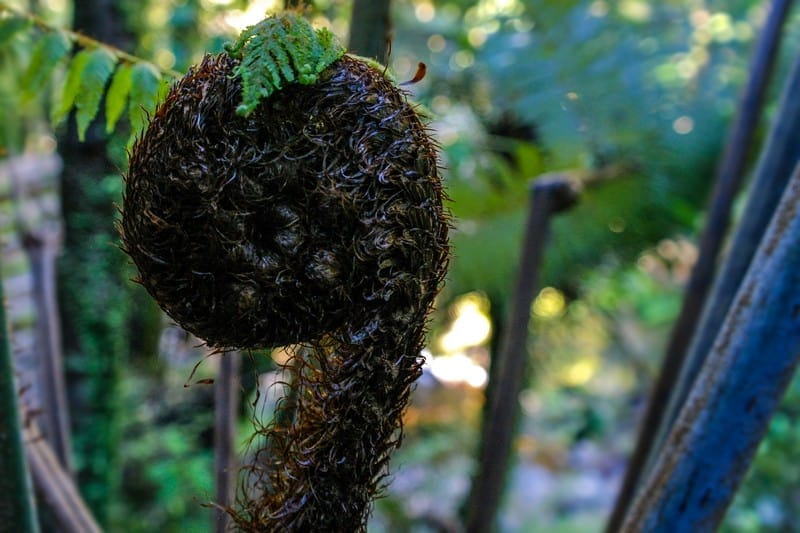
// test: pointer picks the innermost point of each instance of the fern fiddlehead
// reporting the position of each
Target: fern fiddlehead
(285, 193)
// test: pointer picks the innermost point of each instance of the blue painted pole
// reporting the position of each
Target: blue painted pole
(753, 359)
(677, 368)
(781, 153)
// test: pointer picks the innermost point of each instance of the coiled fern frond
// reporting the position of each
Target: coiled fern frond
(312, 217)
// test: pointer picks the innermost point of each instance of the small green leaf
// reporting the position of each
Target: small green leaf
(94, 77)
(71, 86)
(275, 49)
(10, 26)
(49, 51)
(117, 95)
(144, 92)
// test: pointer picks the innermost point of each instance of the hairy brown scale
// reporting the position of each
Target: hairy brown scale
(317, 220)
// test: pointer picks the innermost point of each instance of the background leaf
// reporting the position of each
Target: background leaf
(98, 69)
(144, 90)
(49, 51)
(71, 86)
(117, 95)
(10, 26)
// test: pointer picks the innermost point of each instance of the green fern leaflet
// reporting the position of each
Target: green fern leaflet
(278, 50)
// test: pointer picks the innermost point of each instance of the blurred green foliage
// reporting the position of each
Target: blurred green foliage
(94, 295)
(168, 459)
(523, 88)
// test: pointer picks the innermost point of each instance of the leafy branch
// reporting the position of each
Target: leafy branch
(97, 69)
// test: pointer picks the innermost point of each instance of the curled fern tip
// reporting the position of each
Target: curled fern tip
(279, 50)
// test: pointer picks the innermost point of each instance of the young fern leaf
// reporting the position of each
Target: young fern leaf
(48, 53)
(282, 60)
(94, 77)
(328, 50)
(303, 59)
(117, 95)
(279, 50)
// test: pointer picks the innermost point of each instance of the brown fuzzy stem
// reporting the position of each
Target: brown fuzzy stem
(325, 469)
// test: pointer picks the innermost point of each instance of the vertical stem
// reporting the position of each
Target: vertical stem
(42, 253)
(226, 400)
(94, 293)
(16, 505)
(728, 182)
(370, 28)
(548, 197)
(741, 384)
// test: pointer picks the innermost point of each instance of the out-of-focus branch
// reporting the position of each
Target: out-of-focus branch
(774, 168)
(549, 196)
(17, 510)
(57, 488)
(226, 403)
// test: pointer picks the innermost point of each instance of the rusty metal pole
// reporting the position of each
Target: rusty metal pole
(549, 195)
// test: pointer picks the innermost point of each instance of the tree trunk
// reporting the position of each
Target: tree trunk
(94, 294)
